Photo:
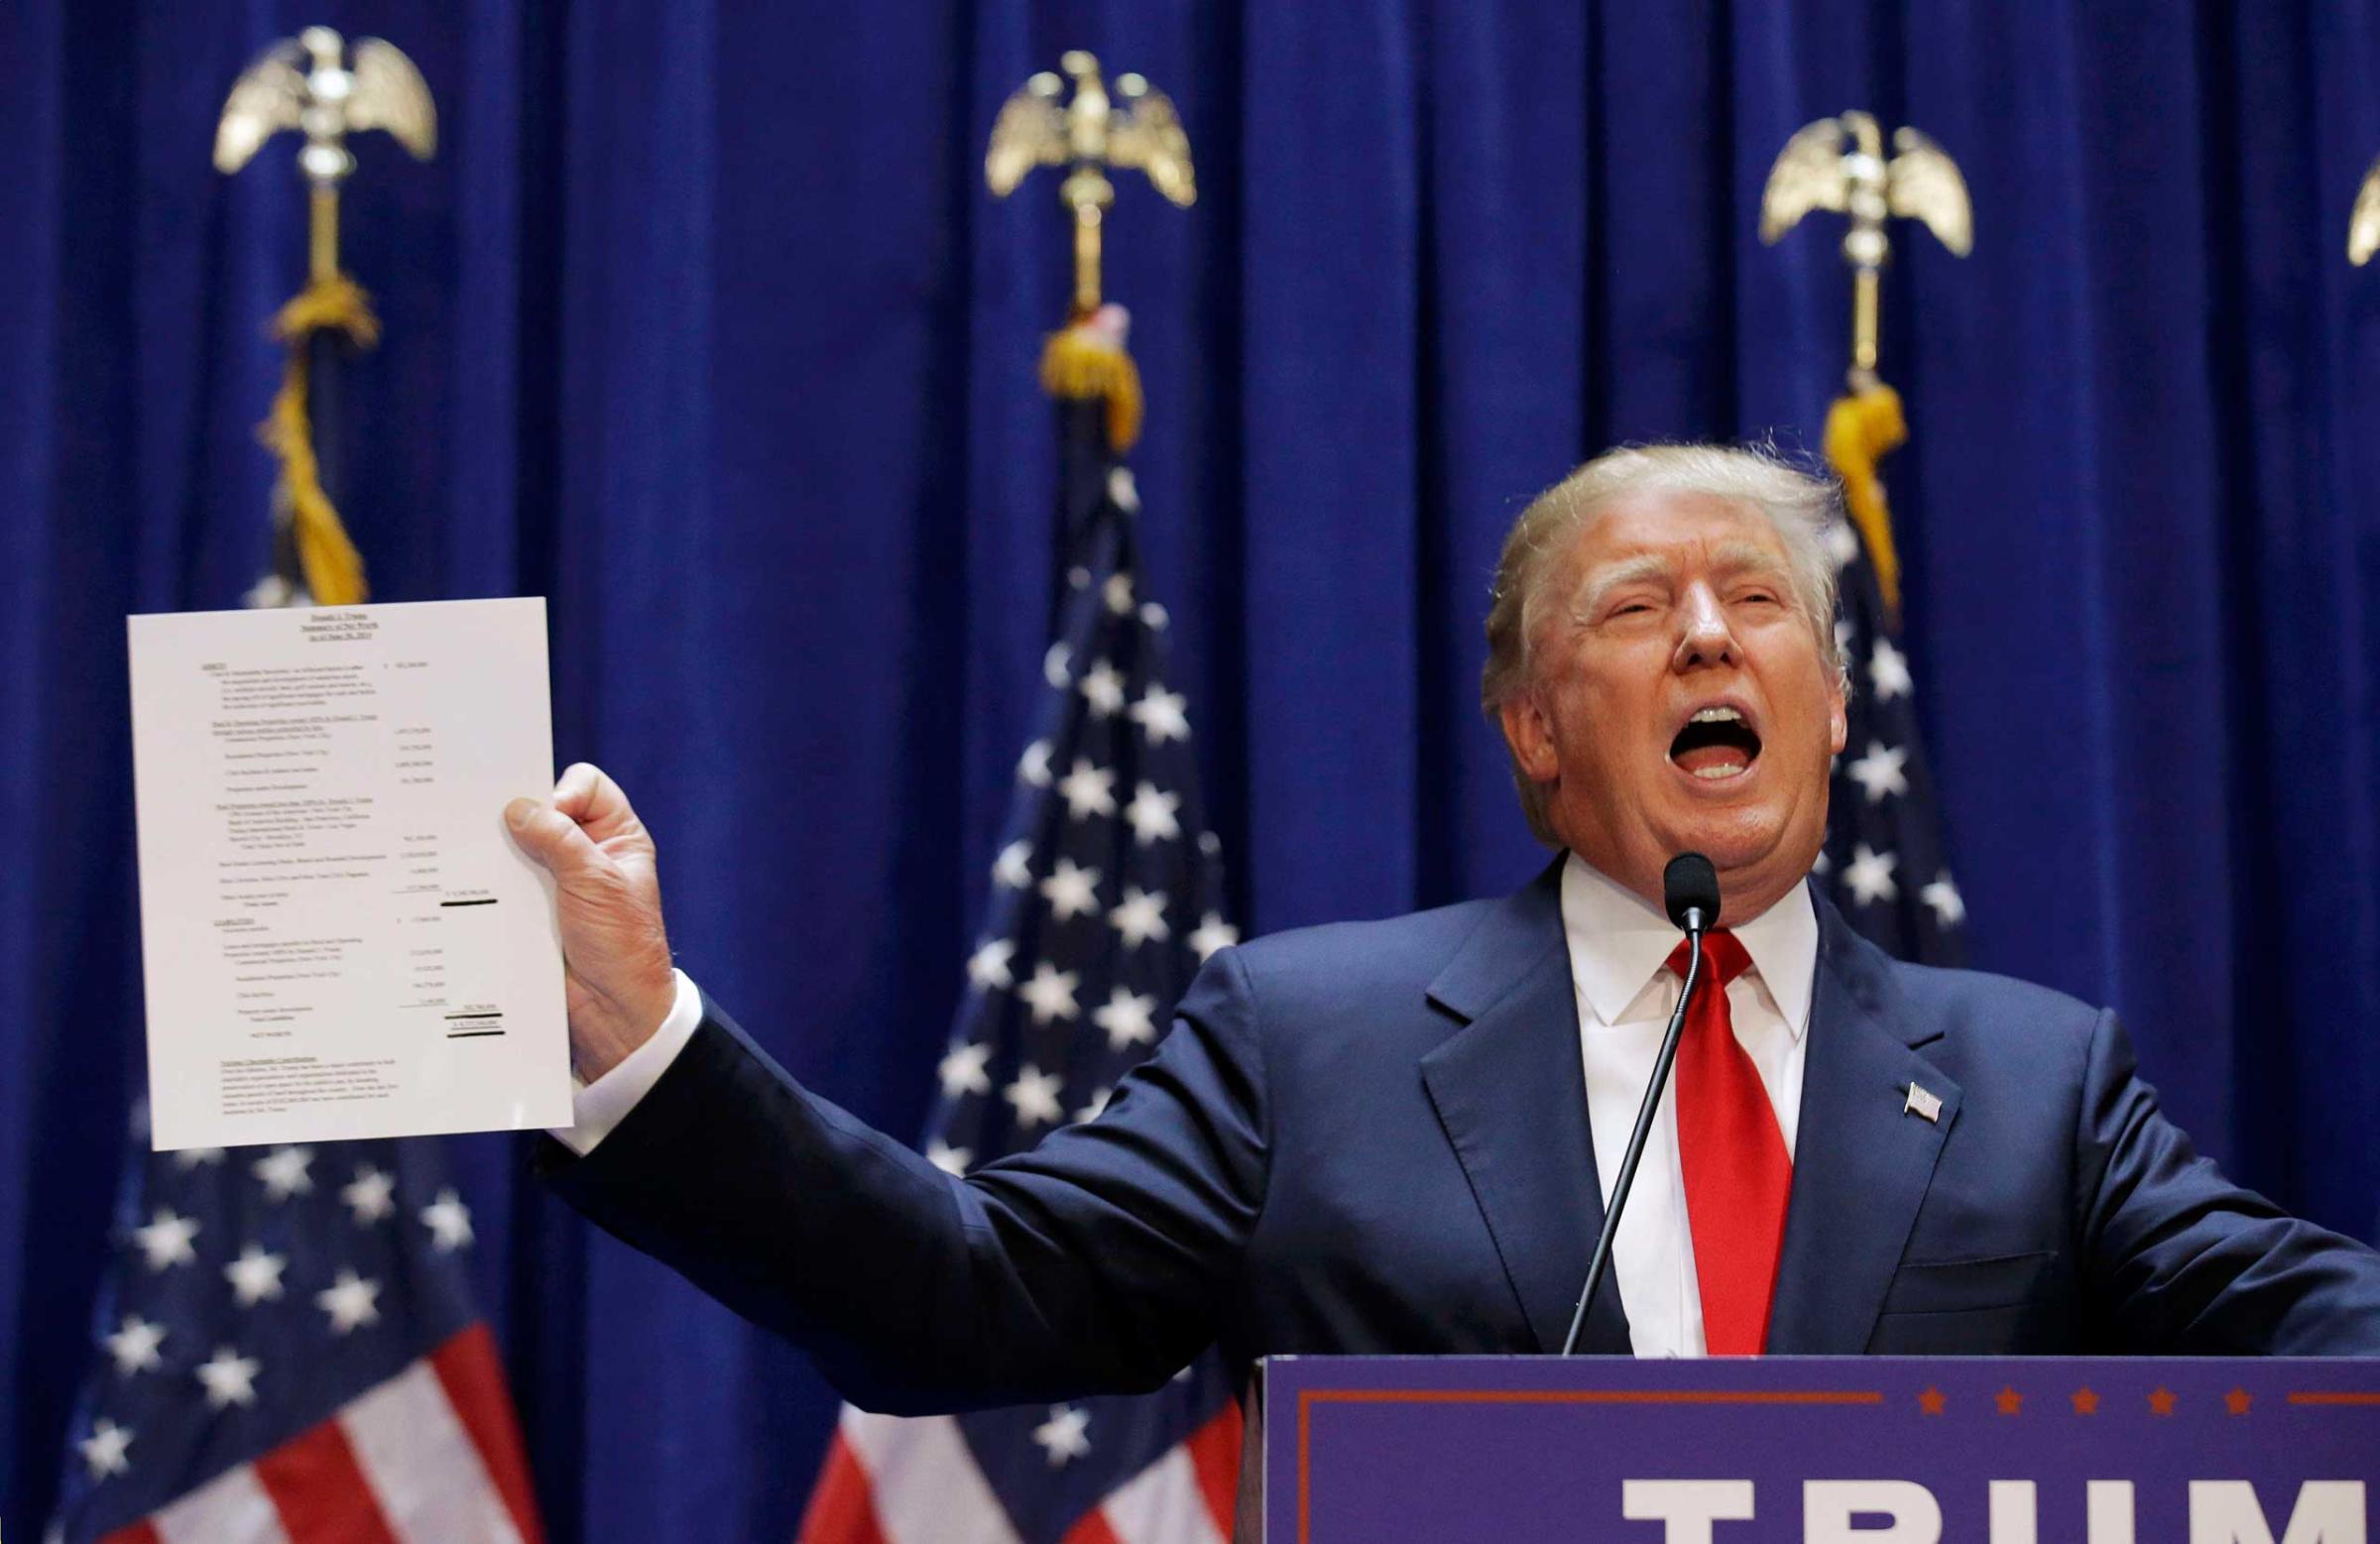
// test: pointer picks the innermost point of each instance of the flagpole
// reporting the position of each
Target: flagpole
(306, 84)
(324, 375)
(1884, 852)
(1106, 822)
(1838, 163)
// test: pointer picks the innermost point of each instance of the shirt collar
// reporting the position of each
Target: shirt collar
(1619, 943)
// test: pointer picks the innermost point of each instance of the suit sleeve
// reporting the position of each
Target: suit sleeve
(1099, 1261)
(2180, 1259)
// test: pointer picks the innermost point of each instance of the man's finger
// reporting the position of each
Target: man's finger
(575, 786)
(548, 835)
(588, 796)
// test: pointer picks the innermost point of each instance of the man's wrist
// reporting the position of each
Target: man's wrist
(603, 1039)
(602, 1103)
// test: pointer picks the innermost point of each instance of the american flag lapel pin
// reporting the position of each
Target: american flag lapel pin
(1923, 1103)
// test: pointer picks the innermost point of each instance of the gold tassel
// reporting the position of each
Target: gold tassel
(1083, 364)
(1861, 429)
(334, 570)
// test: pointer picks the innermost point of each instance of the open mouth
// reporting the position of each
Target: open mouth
(1716, 743)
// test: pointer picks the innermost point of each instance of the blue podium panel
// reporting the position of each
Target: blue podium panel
(1820, 1450)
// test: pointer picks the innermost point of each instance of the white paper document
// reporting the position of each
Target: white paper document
(338, 936)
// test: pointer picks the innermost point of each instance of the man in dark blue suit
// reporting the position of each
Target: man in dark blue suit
(1399, 1136)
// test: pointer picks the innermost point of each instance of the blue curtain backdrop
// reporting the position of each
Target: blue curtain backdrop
(702, 326)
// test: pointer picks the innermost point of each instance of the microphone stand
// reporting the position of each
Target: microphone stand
(1600, 1264)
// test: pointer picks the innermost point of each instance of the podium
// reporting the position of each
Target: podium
(1820, 1450)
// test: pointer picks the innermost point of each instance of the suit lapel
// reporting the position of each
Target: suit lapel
(1511, 1095)
(1862, 1160)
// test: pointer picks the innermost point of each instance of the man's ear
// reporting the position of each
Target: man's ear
(1839, 729)
(1530, 736)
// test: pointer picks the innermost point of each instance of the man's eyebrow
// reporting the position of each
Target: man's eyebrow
(1628, 570)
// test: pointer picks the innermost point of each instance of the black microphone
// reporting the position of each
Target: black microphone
(1690, 893)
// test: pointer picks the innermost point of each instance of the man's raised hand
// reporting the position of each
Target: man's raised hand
(608, 898)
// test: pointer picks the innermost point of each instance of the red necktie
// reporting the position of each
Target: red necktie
(1737, 1172)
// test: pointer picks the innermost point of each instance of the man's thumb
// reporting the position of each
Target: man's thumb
(546, 833)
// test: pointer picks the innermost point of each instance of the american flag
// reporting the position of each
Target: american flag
(1883, 859)
(287, 1350)
(1104, 901)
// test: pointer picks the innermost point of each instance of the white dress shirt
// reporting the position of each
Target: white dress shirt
(1618, 965)
(1620, 950)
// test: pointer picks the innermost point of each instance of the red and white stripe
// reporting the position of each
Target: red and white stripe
(432, 1456)
(894, 1481)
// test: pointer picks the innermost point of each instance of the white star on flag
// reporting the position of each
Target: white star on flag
(1088, 790)
(1879, 770)
(1843, 543)
(1128, 1018)
(283, 1172)
(167, 1239)
(1944, 897)
(1888, 671)
(1065, 1436)
(196, 1157)
(1150, 815)
(230, 1378)
(1071, 891)
(1160, 715)
(1050, 993)
(1012, 867)
(962, 1070)
(1844, 634)
(1117, 593)
(1140, 917)
(1213, 933)
(1098, 1104)
(371, 1195)
(350, 1301)
(949, 1159)
(1033, 764)
(1869, 876)
(1054, 666)
(255, 1276)
(134, 1346)
(1124, 490)
(1102, 688)
(448, 1222)
(103, 1449)
(1154, 616)
(1034, 1095)
(988, 967)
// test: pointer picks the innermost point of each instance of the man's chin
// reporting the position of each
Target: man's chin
(1731, 838)
(1749, 847)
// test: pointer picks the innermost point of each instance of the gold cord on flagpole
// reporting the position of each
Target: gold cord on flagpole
(1087, 362)
(1862, 429)
(333, 568)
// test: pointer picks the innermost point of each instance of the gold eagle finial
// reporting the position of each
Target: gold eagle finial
(303, 83)
(1133, 129)
(1815, 171)
(2363, 226)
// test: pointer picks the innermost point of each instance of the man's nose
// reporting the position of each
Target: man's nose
(1705, 639)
